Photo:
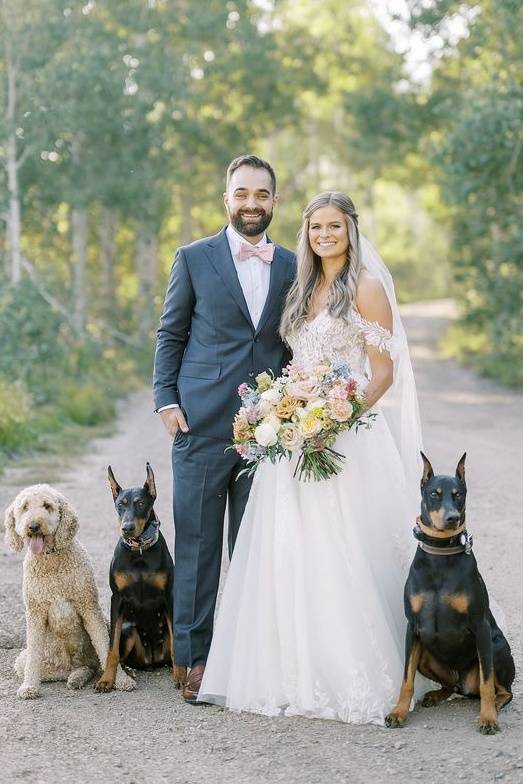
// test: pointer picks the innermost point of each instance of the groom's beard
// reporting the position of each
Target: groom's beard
(251, 229)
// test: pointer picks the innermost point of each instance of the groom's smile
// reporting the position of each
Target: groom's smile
(249, 201)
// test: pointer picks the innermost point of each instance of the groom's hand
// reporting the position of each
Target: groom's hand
(174, 420)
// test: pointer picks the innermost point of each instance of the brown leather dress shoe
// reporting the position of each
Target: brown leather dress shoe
(192, 687)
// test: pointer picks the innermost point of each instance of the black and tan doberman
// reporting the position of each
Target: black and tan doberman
(452, 637)
(141, 580)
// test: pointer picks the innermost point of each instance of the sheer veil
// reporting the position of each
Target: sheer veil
(400, 403)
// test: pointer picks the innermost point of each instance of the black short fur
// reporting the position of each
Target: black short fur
(452, 636)
(141, 581)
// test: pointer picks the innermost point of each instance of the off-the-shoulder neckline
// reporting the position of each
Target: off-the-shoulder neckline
(355, 311)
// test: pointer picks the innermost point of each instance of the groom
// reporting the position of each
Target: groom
(219, 328)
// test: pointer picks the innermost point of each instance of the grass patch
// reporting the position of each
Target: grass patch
(502, 362)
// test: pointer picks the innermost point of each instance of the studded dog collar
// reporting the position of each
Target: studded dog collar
(420, 531)
(147, 539)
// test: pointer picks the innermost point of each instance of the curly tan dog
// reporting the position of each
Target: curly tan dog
(67, 636)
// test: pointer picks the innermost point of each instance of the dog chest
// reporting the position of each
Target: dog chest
(141, 586)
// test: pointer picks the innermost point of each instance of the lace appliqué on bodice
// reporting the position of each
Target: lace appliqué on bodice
(327, 337)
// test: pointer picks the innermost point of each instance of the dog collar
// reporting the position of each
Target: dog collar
(148, 538)
(434, 534)
(465, 540)
(457, 550)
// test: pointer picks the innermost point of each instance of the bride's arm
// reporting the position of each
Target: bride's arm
(373, 306)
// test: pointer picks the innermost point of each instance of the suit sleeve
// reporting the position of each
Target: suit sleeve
(173, 333)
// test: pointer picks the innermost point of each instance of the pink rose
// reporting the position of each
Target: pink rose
(339, 410)
(306, 389)
(338, 392)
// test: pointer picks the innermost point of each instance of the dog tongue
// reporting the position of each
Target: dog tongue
(36, 544)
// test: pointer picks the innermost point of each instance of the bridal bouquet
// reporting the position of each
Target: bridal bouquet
(302, 411)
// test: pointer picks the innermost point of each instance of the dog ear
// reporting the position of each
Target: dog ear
(460, 468)
(428, 473)
(150, 484)
(115, 487)
(12, 539)
(68, 525)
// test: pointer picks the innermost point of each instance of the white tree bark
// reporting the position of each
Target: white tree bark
(107, 238)
(14, 217)
(146, 250)
(186, 212)
(79, 232)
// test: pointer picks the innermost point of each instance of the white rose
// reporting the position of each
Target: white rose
(317, 403)
(290, 437)
(265, 435)
(271, 396)
(263, 408)
(273, 421)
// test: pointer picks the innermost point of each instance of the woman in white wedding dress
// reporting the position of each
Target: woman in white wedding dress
(311, 619)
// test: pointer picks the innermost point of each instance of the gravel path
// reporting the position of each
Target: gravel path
(152, 736)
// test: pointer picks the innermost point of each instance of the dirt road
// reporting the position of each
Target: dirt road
(151, 736)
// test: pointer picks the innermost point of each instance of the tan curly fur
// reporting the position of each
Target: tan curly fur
(67, 636)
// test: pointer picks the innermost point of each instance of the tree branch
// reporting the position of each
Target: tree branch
(106, 328)
(22, 159)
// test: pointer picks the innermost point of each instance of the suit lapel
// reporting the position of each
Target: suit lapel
(220, 256)
(277, 281)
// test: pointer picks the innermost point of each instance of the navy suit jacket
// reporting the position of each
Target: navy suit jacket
(207, 344)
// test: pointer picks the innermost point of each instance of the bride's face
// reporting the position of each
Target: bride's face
(328, 235)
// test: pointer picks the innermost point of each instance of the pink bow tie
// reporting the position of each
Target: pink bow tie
(263, 252)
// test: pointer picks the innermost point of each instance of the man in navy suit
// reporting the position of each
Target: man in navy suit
(219, 328)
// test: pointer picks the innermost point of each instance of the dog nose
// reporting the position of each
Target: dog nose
(128, 528)
(452, 518)
(34, 527)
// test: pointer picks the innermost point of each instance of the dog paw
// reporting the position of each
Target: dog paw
(79, 678)
(104, 685)
(179, 675)
(124, 682)
(431, 698)
(394, 720)
(26, 692)
(488, 726)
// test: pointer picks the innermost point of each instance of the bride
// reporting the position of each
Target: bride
(311, 619)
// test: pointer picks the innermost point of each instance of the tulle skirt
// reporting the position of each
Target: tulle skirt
(311, 620)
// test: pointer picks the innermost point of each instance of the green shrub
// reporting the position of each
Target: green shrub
(15, 415)
(87, 404)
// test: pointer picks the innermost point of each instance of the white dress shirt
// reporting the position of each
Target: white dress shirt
(253, 273)
(254, 276)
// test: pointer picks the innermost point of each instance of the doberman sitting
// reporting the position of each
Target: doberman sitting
(452, 637)
(141, 580)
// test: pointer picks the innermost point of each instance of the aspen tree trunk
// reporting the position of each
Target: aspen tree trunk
(79, 232)
(14, 218)
(146, 249)
(107, 239)
(186, 204)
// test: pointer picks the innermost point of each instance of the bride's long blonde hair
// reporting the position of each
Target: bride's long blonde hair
(309, 274)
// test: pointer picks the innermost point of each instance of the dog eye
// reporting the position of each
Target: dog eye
(47, 507)
(436, 493)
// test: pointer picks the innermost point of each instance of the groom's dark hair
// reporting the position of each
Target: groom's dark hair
(255, 162)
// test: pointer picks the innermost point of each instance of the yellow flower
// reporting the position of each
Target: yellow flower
(264, 381)
(311, 425)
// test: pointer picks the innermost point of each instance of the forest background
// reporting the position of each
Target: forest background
(119, 119)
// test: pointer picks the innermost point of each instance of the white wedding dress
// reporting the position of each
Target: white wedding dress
(311, 620)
